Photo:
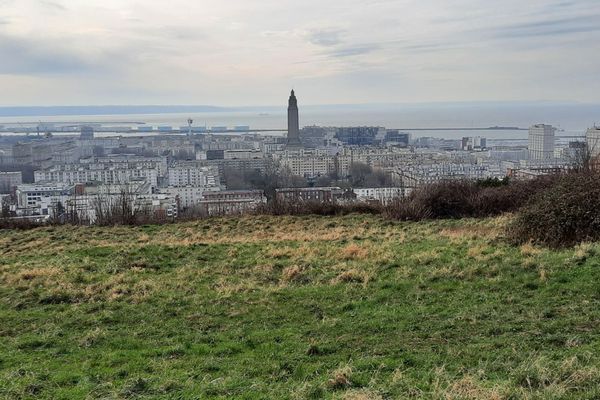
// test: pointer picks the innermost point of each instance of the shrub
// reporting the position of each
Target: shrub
(448, 199)
(564, 214)
(466, 199)
(21, 224)
(278, 207)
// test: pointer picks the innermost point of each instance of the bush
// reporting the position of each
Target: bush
(466, 199)
(278, 207)
(564, 214)
(21, 224)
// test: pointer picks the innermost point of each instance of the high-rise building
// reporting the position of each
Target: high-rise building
(479, 142)
(87, 132)
(293, 136)
(592, 138)
(541, 142)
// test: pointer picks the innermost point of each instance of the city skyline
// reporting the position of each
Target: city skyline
(64, 52)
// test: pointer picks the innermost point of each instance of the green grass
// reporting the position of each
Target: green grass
(351, 307)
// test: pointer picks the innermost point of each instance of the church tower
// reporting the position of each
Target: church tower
(293, 136)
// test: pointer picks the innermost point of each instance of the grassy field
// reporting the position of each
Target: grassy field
(351, 307)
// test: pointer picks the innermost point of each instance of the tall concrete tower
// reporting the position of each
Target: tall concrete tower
(293, 136)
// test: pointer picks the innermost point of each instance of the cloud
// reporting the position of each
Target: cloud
(184, 33)
(243, 51)
(554, 27)
(325, 37)
(352, 51)
(52, 5)
(22, 56)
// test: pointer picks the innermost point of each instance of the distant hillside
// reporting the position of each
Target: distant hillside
(351, 307)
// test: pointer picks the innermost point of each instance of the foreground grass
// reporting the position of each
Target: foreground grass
(348, 307)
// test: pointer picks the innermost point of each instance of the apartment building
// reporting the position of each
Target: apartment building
(191, 173)
(107, 173)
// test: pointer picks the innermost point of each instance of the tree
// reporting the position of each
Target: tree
(5, 207)
(323, 181)
(358, 174)
(363, 175)
(582, 156)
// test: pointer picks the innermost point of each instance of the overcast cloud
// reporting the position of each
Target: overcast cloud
(250, 52)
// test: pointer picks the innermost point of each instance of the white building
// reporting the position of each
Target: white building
(383, 195)
(191, 174)
(131, 161)
(309, 166)
(41, 199)
(420, 175)
(188, 196)
(541, 142)
(84, 201)
(102, 173)
(592, 138)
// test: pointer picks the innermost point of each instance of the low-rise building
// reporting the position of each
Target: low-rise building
(42, 199)
(228, 202)
(188, 196)
(86, 203)
(383, 195)
(419, 175)
(313, 194)
(534, 172)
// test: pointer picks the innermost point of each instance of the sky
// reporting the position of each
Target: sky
(252, 52)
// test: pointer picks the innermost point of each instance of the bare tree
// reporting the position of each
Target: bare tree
(116, 209)
(5, 207)
(583, 157)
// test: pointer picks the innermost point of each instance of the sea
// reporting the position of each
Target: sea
(447, 121)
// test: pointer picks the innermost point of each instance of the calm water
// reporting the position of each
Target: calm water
(572, 119)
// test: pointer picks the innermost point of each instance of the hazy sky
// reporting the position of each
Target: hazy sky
(251, 52)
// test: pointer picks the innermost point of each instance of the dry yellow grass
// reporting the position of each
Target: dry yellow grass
(33, 274)
(529, 263)
(470, 388)
(291, 274)
(446, 272)
(340, 378)
(427, 257)
(354, 252)
(226, 288)
(362, 394)
(478, 252)
(489, 231)
(583, 252)
(352, 276)
(543, 273)
(280, 252)
(528, 250)
(92, 337)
